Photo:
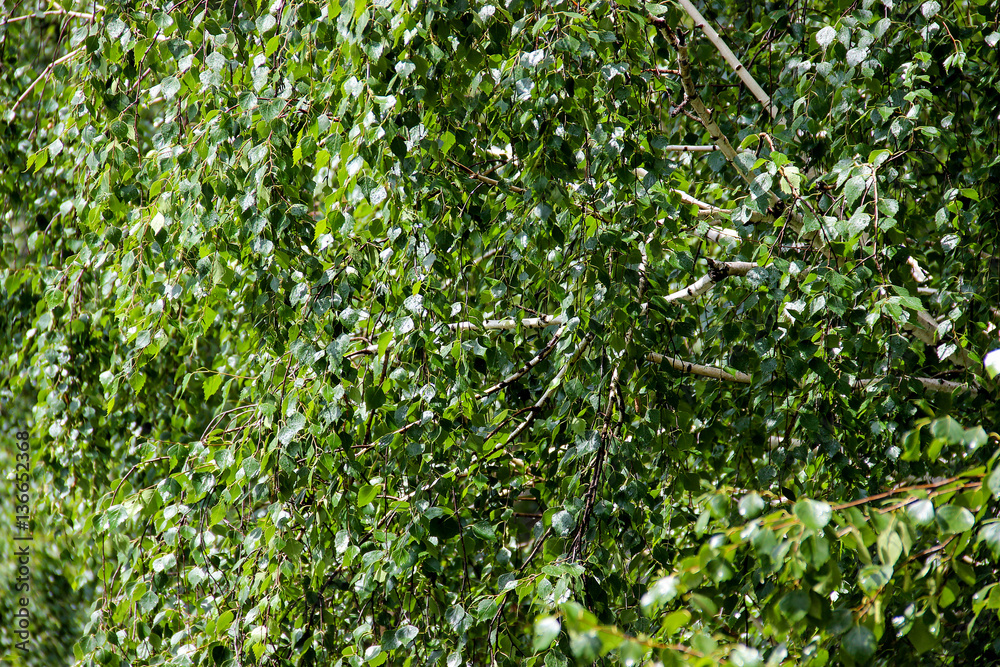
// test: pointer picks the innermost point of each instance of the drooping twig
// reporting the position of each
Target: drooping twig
(527, 367)
(553, 385)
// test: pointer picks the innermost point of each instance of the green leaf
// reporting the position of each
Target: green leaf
(447, 141)
(921, 511)
(992, 363)
(546, 630)
(142, 340)
(486, 609)
(296, 422)
(676, 620)
(751, 505)
(148, 602)
(631, 653)
(993, 482)
(661, 592)
(137, 382)
(795, 605)
(211, 385)
(563, 523)
(853, 189)
(921, 635)
(990, 536)
(954, 519)
(266, 23)
(398, 147)
(406, 634)
(974, 438)
(948, 429)
(367, 494)
(484, 531)
(890, 547)
(813, 514)
(860, 643)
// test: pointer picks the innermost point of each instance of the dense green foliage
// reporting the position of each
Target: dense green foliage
(404, 333)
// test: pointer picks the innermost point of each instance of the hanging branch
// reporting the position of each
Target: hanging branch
(553, 385)
(527, 367)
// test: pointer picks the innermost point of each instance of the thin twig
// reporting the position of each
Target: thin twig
(527, 367)
(553, 385)
(45, 73)
(51, 12)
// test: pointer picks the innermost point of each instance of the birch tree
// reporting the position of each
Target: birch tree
(401, 332)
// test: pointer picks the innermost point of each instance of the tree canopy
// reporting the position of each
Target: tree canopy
(538, 332)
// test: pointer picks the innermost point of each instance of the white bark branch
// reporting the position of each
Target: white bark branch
(694, 99)
(777, 441)
(720, 271)
(917, 271)
(716, 234)
(930, 384)
(681, 148)
(704, 208)
(926, 329)
(729, 56)
(52, 12)
(509, 324)
(698, 369)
